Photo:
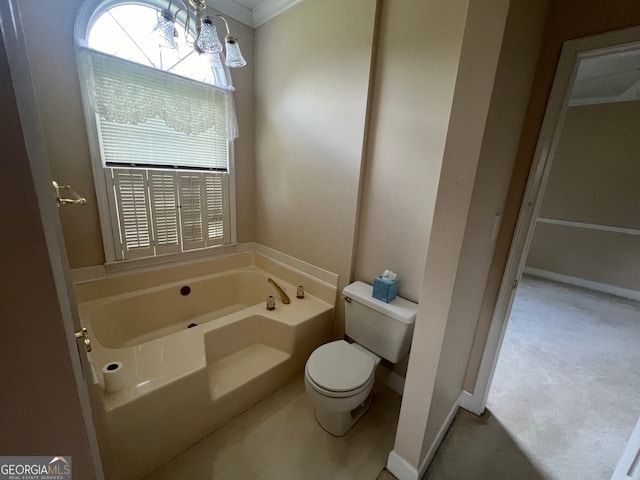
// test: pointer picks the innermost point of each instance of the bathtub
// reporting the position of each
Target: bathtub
(195, 354)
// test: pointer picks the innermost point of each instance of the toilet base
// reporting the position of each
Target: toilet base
(339, 423)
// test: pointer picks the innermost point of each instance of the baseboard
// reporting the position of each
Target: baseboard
(426, 461)
(581, 282)
(391, 379)
(470, 402)
(402, 469)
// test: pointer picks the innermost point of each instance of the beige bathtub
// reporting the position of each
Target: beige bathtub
(182, 383)
(135, 319)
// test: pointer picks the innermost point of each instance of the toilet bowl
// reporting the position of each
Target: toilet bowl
(339, 375)
(338, 379)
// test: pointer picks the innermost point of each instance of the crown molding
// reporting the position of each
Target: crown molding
(256, 17)
(270, 9)
(233, 10)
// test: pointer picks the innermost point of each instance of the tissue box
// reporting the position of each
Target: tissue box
(385, 290)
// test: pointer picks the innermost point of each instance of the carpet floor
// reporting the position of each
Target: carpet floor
(564, 397)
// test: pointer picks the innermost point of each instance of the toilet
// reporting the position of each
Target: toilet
(339, 375)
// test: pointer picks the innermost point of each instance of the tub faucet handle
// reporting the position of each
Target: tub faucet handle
(271, 303)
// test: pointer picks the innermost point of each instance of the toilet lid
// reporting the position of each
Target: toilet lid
(339, 367)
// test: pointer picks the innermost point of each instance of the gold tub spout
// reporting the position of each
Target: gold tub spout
(283, 296)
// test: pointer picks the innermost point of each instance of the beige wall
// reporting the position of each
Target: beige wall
(565, 20)
(593, 179)
(40, 406)
(300, 157)
(403, 154)
(312, 89)
(312, 81)
(411, 101)
(604, 257)
(514, 77)
(595, 171)
(422, 413)
(51, 51)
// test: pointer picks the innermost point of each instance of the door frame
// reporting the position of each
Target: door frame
(629, 465)
(572, 52)
(12, 29)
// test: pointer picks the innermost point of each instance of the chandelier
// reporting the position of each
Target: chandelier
(206, 40)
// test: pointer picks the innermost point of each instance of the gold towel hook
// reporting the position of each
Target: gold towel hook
(75, 200)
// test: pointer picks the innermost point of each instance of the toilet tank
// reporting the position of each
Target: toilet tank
(384, 328)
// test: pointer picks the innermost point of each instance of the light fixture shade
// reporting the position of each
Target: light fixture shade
(208, 41)
(165, 29)
(234, 57)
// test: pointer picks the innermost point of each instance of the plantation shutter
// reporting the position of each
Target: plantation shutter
(130, 195)
(162, 211)
(190, 191)
(164, 206)
(217, 217)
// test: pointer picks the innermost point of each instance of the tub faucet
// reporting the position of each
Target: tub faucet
(283, 296)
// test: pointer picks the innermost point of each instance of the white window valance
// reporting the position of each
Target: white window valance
(128, 93)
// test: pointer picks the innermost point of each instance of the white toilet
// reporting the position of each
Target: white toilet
(339, 375)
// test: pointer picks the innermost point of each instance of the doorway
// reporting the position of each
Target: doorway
(568, 361)
(566, 373)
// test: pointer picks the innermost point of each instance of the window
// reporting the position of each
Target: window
(161, 122)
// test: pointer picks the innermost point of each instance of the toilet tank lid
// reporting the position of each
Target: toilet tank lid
(399, 308)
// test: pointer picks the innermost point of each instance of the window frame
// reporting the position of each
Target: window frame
(88, 13)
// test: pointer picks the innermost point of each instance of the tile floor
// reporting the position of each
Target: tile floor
(279, 439)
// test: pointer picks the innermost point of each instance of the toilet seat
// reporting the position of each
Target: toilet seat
(332, 394)
(338, 369)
